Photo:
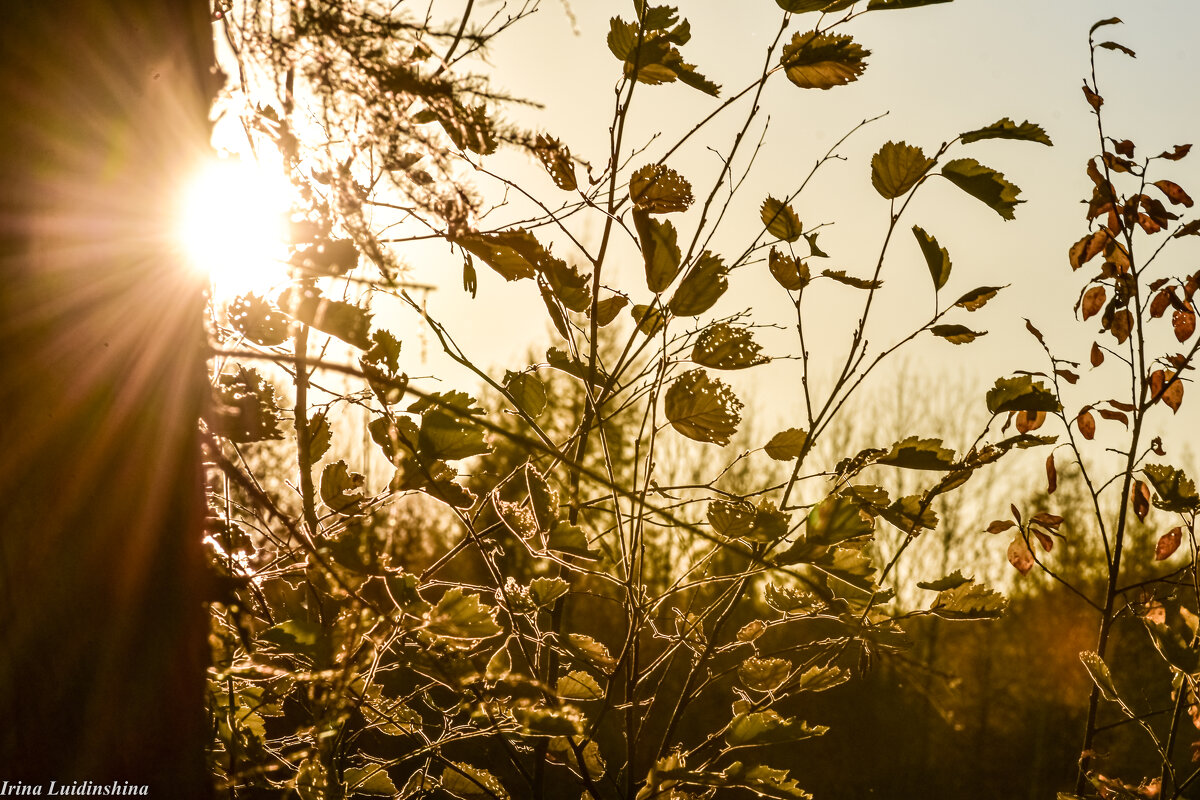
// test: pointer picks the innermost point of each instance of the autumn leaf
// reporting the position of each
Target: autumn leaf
(1140, 495)
(984, 184)
(790, 274)
(659, 189)
(1174, 193)
(897, 167)
(702, 408)
(725, 346)
(1005, 128)
(936, 257)
(1184, 324)
(701, 286)
(816, 60)
(780, 220)
(1093, 301)
(1051, 475)
(1020, 556)
(1168, 543)
(787, 444)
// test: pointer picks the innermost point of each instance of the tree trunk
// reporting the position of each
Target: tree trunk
(102, 626)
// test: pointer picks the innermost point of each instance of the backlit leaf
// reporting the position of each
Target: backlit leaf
(372, 779)
(888, 5)
(1093, 301)
(821, 61)
(256, 319)
(447, 436)
(1100, 674)
(724, 346)
(659, 189)
(591, 651)
(1168, 543)
(649, 320)
(660, 250)
(936, 257)
(578, 685)
(556, 158)
(849, 280)
(984, 184)
(1019, 554)
(702, 408)
(764, 674)
(461, 616)
(544, 591)
(917, 453)
(471, 783)
(956, 334)
(802, 6)
(514, 254)
(788, 273)
(347, 322)
(527, 392)
(341, 489)
(837, 518)
(608, 308)
(897, 167)
(969, 600)
(1021, 393)
(1005, 128)
(787, 444)
(767, 727)
(780, 220)
(701, 287)
(570, 539)
(951, 581)
(977, 298)
(1176, 491)
(573, 289)
(320, 436)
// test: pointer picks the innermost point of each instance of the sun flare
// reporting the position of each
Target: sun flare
(233, 226)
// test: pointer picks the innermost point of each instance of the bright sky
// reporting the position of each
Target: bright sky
(937, 71)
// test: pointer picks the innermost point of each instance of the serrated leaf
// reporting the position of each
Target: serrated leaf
(956, 334)
(578, 685)
(977, 298)
(461, 616)
(790, 274)
(951, 581)
(917, 453)
(297, 637)
(608, 309)
(556, 158)
(658, 189)
(724, 346)
(701, 287)
(347, 322)
(1005, 128)
(968, 600)
(649, 320)
(342, 490)
(821, 679)
(815, 60)
(841, 277)
(471, 783)
(570, 539)
(787, 444)
(764, 674)
(320, 436)
(912, 513)
(515, 254)
(660, 250)
(544, 591)
(1176, 491)
(244, 408)
(371, 779)
(562, 751)
(1021, 393)
(526, 391)
(543, 499)
(738, 519)
(702, 408)
(837, 518)
(984, 184)
(780, 220)
(446, 436)
(572, 288)
(897, 167)
(767, 727)
(1100, 674)
(813, 249)
(936, 257)
(256, 319)
(592, 651)
(499, 665)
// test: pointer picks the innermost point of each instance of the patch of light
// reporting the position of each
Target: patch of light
(233, 225)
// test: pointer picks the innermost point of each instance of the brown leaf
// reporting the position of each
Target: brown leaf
(1124, 147)
(1047, 520)
(1019, 554)
(1036, 333)
(1030, 420)
(1184, 323)
(1122, 325)
(1093, 300)
(1051, 475)
(1168, 544)
(1087, 248)
(1179, 152)
(1140, 495)
(1016, 514)
(1087, 424)
(1044, 539)
(1097, 355)
(1115, 416)
(1156, 446)
(1160, 303)
(1067, 375)
(1095, 101)
(1121, 406)
(1000, 525)
(1174, 193)
(1173, 396)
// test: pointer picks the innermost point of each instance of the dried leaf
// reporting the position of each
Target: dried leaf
(1140, 495)
(1051, 475)
(702, 408)
(1093, 301)
(1096, 355)
(1168, 543)
(1020, 556)
(1087, 424)
(1174, 193)
(790, 274)
(1184, 324)
(897, 167)
(780, 220)
(659, 189)
(816, 60)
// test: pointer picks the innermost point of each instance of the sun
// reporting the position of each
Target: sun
(233, 225)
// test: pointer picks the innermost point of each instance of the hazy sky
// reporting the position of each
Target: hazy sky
(937, 71)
